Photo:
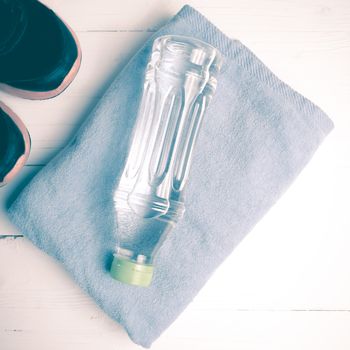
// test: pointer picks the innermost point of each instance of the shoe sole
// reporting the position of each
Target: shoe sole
(27, 143)
(44, 95)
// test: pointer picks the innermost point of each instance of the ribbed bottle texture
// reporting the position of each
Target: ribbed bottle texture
(180, 80)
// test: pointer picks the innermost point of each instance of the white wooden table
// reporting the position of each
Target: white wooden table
(287, 286)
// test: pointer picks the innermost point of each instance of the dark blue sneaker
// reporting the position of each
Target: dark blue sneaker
(14, 144)
(39, 53)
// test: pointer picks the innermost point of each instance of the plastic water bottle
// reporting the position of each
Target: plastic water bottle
(180, 80)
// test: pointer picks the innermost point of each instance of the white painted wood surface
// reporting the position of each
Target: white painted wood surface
(287, 286)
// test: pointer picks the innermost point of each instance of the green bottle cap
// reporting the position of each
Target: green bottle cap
(130, 272)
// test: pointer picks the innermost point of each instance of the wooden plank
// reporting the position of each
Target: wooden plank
(204, 329)
(45, 309)
(242, 16)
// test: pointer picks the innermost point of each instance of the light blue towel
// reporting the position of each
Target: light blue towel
(256, 137)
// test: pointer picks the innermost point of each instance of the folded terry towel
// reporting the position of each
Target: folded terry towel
(256, 137)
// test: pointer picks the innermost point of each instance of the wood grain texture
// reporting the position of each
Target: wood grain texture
(287, 285)
(42, 308)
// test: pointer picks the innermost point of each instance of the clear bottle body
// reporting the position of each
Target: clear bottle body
(179, 82)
